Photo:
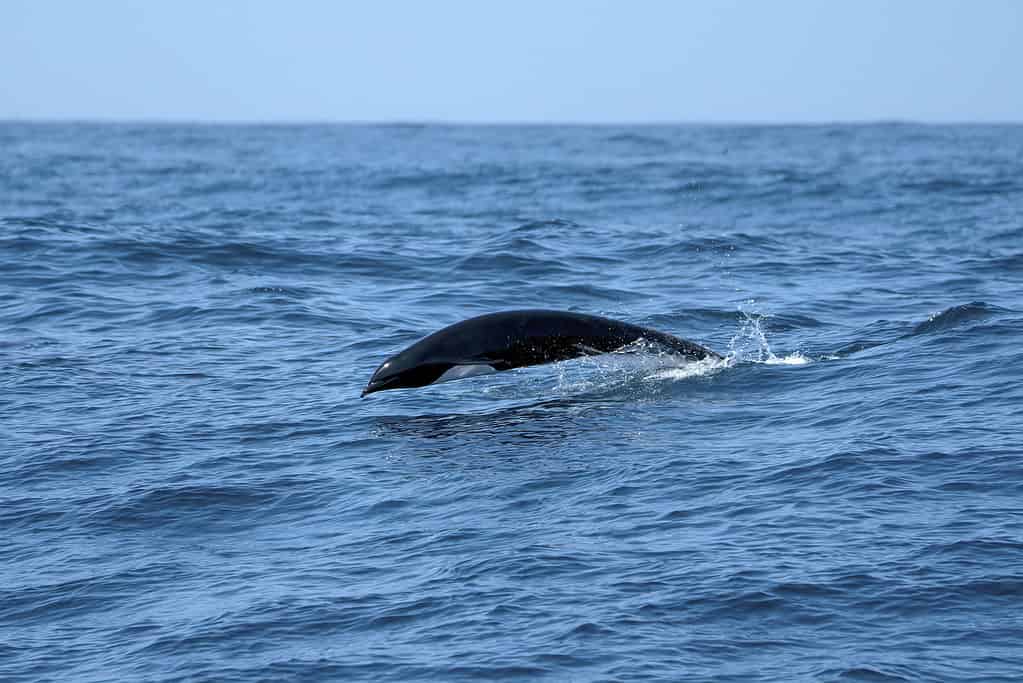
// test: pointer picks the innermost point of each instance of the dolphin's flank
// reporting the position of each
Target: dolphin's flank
(515, 339)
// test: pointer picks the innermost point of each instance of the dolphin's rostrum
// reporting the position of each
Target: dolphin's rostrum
(515, 339)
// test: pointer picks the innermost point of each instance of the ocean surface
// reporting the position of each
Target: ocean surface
(191, 488)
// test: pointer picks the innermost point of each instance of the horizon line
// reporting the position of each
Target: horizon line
(426, 122)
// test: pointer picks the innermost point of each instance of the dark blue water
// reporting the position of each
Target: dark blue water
(191, 488)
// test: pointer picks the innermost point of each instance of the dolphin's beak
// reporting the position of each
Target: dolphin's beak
(377, 385)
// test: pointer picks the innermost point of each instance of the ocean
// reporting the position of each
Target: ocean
(191, 488)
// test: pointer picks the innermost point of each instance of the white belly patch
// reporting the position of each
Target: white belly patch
(460, 371)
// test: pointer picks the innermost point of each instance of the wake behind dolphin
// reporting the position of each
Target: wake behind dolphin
(516, 339)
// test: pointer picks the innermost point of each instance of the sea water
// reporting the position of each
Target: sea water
(192, 489)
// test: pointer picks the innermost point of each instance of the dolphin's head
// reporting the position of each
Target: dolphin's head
(404, 371)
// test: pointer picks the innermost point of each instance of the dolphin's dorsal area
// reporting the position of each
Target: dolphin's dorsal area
(515, 339)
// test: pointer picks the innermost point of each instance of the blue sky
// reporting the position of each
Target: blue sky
(531, 61)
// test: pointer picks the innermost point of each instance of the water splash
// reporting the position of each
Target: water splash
(750, 345)
(638, 361)
(698, 368)
(643, 361)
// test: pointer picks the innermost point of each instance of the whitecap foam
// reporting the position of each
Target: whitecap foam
(791, 359)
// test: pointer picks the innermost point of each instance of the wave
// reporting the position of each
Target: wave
(956, 316)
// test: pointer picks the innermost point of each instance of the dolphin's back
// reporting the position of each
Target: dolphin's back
(513, 339)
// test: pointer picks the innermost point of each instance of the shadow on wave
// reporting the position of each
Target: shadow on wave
(955, 319)
(956, 316)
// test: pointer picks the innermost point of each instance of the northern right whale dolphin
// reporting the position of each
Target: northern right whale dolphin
(515, 339)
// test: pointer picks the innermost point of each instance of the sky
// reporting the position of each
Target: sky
(524, 61)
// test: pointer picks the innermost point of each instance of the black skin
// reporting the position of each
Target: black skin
(516, 339)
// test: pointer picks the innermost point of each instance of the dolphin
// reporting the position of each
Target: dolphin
(516, 339)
